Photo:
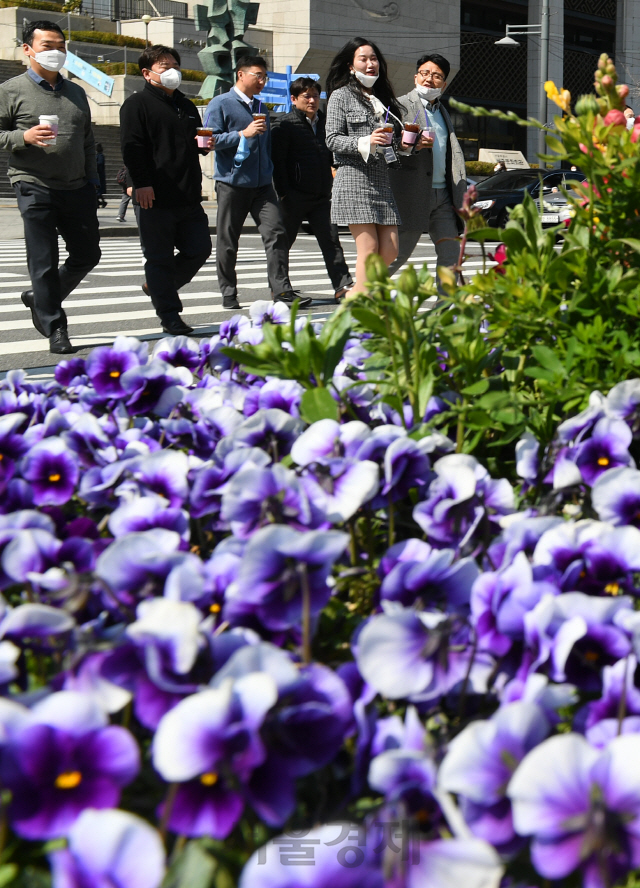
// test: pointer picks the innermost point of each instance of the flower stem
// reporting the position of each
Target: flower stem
(392, 522)
(622, 706)
(169, 802)
(306, 615)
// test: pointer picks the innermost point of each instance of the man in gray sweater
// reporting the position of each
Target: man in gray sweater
(53, 176)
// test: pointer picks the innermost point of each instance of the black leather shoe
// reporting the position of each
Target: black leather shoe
(290, 296)
(231, 303)
(27, 298)
(176, 327)
(59, 342)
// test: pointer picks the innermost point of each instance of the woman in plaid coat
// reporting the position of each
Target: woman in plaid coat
(359, 95)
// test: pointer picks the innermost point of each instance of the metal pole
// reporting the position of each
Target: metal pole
(69, 25)
(125, 60)
(544, 69)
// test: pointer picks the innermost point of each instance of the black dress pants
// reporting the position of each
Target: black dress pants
(45, 213)
(298, 207)
(234, 205)
(161, 230)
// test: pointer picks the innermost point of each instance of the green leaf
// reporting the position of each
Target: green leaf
(8, 872)
(194, 868)
(548, 359)
(318, 404)
(369, 320)
(482, 235)
(477, 388)
(632, 242)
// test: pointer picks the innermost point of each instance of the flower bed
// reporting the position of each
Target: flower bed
(344, 604)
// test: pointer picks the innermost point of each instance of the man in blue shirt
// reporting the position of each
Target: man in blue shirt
(244, 183)
(432, 181)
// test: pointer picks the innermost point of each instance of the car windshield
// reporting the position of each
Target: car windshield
(509, 181)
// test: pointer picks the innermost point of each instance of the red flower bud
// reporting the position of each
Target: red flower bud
(615, 118)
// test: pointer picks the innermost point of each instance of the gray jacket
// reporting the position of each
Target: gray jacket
(411, 183)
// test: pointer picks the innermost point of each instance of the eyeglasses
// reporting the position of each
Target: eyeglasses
(262, 77)
(314, 97)
(434, 75)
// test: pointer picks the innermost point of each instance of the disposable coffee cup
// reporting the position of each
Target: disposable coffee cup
(388, 129)
(259, 116)
(202, 136)
(410, 134)
(429, 133)
(50, 120)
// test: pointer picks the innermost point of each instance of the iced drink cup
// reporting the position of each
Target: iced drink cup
(50, 120)
(259, 116)
(388, 129)
(429, 133)
(202, 136)
(410, 134)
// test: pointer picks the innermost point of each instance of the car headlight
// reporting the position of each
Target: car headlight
(483, 204)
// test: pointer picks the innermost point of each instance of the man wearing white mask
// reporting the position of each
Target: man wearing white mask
(52, 169)
(159, 148)
(432, 180)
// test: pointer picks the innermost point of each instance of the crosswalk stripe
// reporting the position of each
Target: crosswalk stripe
(110, 300)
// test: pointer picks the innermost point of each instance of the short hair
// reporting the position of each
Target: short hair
(438, 60)
(99, 148)
(299, 85)
(248, 61)
(28, 30)
(153, 54)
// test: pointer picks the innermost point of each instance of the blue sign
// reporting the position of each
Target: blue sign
(92, 76)
(278, 92)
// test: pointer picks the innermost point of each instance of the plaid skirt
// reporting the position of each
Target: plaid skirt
(362, 195)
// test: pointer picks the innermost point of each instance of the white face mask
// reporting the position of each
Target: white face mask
(430, 93)
(631, 123)
(170, 79)
(51, 59)
(366, 79)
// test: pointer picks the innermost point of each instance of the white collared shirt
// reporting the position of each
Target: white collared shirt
(246, 99)
(312, 123)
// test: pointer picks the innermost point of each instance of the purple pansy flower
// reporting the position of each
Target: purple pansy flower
(413, 654)
(52, 470)
(106, 848)
(616, 496)
(500, 601)
(206, 742)
(607, 448)
(179, 351)
(256, 496)
(106, 365)
(581, 806)
(412, 570)
(480, 762)
(277, 564)
(574, 635)
(327, 439)
(459, 498)
(65, 758)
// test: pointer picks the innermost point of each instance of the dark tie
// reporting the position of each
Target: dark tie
(255, 106)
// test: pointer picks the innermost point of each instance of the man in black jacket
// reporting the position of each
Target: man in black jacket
(158, 135)
(303, 177)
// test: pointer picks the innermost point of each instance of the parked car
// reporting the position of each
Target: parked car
(498, 193)
(556, 208)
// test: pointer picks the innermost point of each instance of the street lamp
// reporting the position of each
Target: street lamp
(542, 31)
(146, 19)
